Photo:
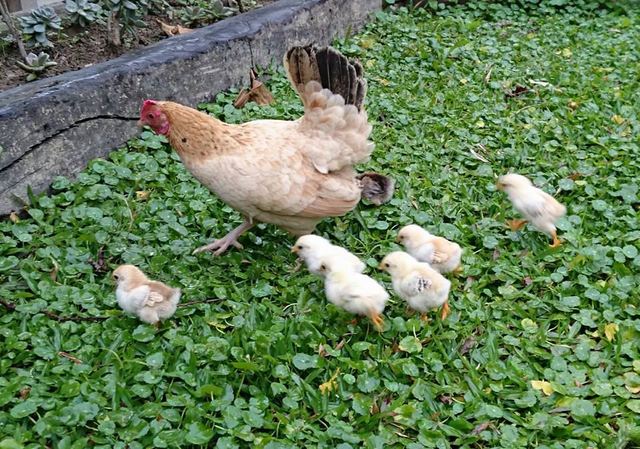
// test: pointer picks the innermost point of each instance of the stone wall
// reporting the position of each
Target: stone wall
(54, 126)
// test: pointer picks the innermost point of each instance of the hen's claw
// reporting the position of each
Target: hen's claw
(221, 245)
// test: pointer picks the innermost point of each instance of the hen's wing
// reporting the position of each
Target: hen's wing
(138, 296)
(539, 205)
(332, 90)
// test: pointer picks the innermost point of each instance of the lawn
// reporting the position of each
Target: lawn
(541, 349)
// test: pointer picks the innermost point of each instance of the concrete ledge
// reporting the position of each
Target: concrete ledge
(54, 126)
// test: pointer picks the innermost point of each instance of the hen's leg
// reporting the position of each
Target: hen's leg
(377, 320)
(514, 225)
(220, 246)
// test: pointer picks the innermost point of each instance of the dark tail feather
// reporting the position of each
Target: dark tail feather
(376, 188)
(330, 68)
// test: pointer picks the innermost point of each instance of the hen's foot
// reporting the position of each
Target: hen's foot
(514, 225)
(221, 245)
(445, 310)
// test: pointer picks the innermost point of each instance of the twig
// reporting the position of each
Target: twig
(75, 360)
(55, 316)
(6, 16)
(190, 303)
(240, 6)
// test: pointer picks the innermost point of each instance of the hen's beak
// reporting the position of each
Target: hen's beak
(140, 123)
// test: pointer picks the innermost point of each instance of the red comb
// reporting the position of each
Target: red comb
(148, 103)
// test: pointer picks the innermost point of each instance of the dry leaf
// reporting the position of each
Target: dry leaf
(480, 428)
(542, 385)
(171, 30)
(610, 331)
(618, 120)
(634, 390)
(331, 384)
(467, 345)
(14, 217)
(258, 93)
(142, 195)
(572, 105)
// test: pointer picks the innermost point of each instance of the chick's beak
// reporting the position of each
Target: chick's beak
(381, 266)
(294, 250)
(398, 239)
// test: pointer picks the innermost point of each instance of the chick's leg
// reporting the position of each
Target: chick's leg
(445, 310)
(556, 240)
(514, 225)
(377, 320)
(221, 245)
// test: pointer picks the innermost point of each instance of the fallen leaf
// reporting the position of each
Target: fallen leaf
(572, 105)
(321, 351)
(257, 93)
(618, 120)
(331, 384)
(542, 385)
(142, 195)
(445, 399)
(99, 265)
(610, 331)
(173, 30)
(24, 393)
(517, 91)
(480, 428)
(467, 345)
(527, 281)
(567, 53)
(14, 217)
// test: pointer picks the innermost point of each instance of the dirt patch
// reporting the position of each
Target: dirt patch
(77, 48)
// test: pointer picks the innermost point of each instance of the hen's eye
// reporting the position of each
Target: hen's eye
(402, 237)
(150, 115)
(323, 267)
(300, 246)
(116, 277)
(386, 265)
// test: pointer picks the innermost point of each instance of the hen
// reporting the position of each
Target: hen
(288, 173)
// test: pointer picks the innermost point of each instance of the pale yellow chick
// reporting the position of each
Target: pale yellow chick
(538, 207)
(312, 248)
(443, 255)
(354, 292)
(417, 283)
(151, 301)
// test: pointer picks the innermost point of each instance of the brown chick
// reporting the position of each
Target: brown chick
(151, 301)
(288, 173)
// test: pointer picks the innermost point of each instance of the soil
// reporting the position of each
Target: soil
(79, 48)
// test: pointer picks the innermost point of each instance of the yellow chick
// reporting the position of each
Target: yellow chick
(443, 255)
(354, 292)
(417, 283)
(311, 248)
(151, 301)
(538, 207)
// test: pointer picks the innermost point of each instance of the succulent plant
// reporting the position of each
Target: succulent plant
(82, 12)
(36, 64)
(38, 22)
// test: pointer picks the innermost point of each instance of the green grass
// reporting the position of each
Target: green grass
(245, 371)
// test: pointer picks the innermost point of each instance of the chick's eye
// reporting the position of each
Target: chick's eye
(323, 267)
(116, 277)
(402, 237)
(386, 265)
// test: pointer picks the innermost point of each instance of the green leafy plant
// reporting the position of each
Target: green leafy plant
(540, 350)
(36, 65)
(124, 17)
(82, 12)
(36, 24)
(202, 13)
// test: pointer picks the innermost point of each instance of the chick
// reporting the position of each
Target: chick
(443, 256)
(417, 283)
(151, 301)
(537, 206)
(354, 292)
(311, 248)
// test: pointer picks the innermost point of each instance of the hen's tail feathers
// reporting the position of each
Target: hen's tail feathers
(175, 297)
(376, 188)
(328, 67)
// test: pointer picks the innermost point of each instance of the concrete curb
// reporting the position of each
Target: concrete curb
(56, 125)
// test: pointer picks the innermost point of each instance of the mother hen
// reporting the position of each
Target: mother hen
(289, 173)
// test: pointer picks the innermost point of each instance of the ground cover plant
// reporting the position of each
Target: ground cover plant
(541, 348)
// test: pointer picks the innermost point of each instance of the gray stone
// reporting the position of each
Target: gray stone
(56, 125)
